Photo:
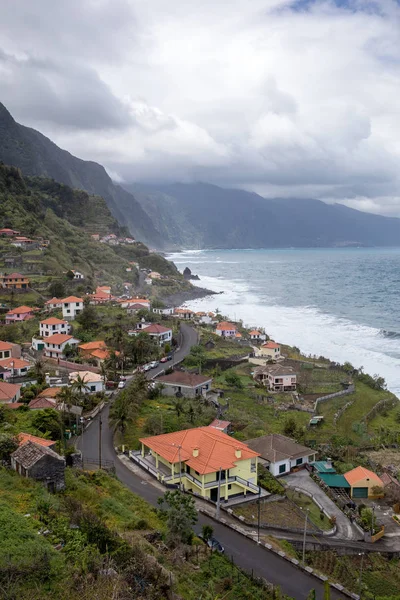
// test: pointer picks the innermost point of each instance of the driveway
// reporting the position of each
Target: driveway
(303, 481)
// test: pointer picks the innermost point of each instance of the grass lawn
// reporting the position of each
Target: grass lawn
(306, 502)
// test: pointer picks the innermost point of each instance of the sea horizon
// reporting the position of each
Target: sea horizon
(341, 303)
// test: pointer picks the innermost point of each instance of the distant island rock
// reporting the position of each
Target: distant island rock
(187, 273)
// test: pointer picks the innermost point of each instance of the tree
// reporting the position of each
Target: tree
(38, 370)
(8, 445)
(70, 275)
(80, 386)
(57, 289)
(48, 421)
(70, 351)
(121, 414)
(234, 380)
(206, 532)
(67, 397)
(88, 318)
(178, 406)
(290, 427)
(181, 515)
(197, 357)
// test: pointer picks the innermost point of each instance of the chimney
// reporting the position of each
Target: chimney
(238, 453)
(328, 463)
(195, 452)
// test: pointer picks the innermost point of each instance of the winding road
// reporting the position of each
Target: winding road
(245, 553)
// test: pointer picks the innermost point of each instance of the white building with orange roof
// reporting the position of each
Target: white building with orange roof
(14, 367)
(71, 306)
(128, 302)
(54, 345)
(201, 460)
(226, 329)
(21, 313)
(270, 350)
(256, 335)
(54, 303)
(184, 313)
(53, 325)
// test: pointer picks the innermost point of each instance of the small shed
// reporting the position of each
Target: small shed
(40, 463)
(362, 482)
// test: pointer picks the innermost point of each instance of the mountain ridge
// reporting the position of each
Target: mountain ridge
(37, 155)
(213, 217)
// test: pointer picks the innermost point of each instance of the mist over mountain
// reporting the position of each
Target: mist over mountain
(36, 155)
(201, 215)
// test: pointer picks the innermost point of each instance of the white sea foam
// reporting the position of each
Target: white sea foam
(308, 328)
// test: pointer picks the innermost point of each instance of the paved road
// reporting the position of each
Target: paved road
(245, 553)
(302, 480)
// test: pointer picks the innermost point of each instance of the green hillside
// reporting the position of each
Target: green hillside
(43, 208)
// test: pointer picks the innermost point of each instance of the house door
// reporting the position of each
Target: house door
(214, 494)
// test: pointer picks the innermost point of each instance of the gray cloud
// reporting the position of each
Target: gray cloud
(287, 99)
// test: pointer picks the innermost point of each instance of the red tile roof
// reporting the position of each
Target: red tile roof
(58, 338)
(53, 321)
(42, 403)
(15, 276)
(216, 449)
(71, 299)
(93, 345)
(5, 346)
(156, 329)
(217, 424)
(359, 473)
(254, 332)
(101, 354)
(270, 345)
(14, 363)
(27, 437)
(8, 391)
(20, 310)
(54, 301)
(184, 378)
(13, 405)
(226, 326)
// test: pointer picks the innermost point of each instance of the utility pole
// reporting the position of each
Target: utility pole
(100, 426)
(219, 495)
(259, 514)
(304, 538)
(180, 467)
(361, 571)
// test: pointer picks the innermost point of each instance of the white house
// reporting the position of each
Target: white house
(148, 280)
(142, 325)
(71, 307)
(52, 325)
(94, 381)
(54, 345)
(184, 313)
(278, 378)
(14, 367)
(77, 275)
(270, 350)
(280, 454)
(182, 383)
(164, 311)
(225, 329)
(256, 335)
(129, 302)
(9, 392)
(162, 334)
(53, 303)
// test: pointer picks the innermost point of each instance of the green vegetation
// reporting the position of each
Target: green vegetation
(64, 546)
(40, 207)
(315, 514)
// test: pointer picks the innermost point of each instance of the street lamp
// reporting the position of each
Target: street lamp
(361, 570)
(304, 536)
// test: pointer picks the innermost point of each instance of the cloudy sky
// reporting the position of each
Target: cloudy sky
(284, 97)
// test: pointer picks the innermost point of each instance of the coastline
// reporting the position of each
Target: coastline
(312, 328)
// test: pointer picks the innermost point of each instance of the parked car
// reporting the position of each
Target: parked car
(154, 364)
(214, 544)
(146, 368)
(111, 385)
(121, 385)
(164, 359)
(122, 378)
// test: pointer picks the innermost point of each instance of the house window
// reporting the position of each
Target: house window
(92, 388)
(229, 487)
(282, 468)
(299, 461)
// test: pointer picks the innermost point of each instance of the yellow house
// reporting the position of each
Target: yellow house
(362, 481)
(270, 350)
(201, 460)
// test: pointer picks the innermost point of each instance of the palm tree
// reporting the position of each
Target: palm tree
(66, 398)
(120, 414)
(38, 370)
(103, 372)
(179, 409)
(80, 386)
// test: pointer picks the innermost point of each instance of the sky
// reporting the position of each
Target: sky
(288, 98)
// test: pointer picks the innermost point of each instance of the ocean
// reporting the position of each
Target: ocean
(341, 303)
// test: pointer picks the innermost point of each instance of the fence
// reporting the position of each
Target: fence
(73, 366)
(350, 390)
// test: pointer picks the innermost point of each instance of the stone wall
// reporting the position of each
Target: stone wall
(49, 470)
